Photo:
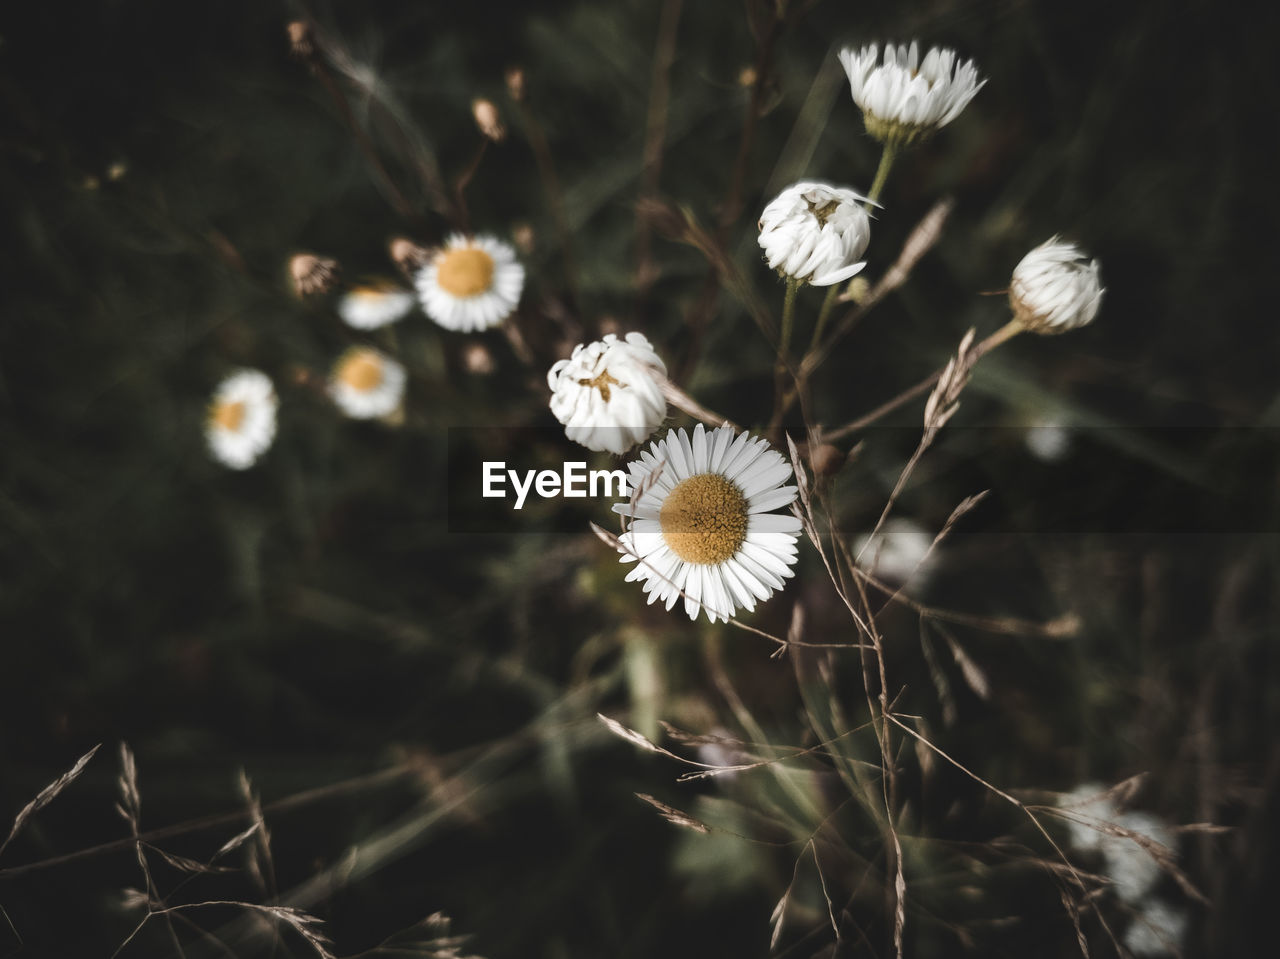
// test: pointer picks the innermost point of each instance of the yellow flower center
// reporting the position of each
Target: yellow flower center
(373, 290)
(601, 382)
(362, 371)
(228, 415)
(465, 272)
(704, 519)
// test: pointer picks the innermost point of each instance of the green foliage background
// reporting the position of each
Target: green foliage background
(314, 619)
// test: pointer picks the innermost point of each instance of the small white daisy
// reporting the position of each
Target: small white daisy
(1157, 929)
(815, 232)
(375, 304)
(473, 283)
(899, 553)
(1048, 438)
(241, 421)
(1055, 288)
(608, 394)
(700, 521)
(366, 383)
(903, 98)
(1131, 868)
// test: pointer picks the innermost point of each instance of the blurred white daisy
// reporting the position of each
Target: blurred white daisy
(1048, 438)
(700, 521)
(608, 394)
(1096, 825)
(815, 232)
(241, 422)
(472, 283)
(899, 553)
(1055, 288)
(366, 383)
(904, 98)
(1156, 930)
(1132, 869)
(375, 304)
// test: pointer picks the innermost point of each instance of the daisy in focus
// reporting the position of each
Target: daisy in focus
(815, 233)
(700, 521)
(608, 394)
(1055, 288)
(375, 304)
(241, 422)
(472, 283)
(366, 383)
(903, 98)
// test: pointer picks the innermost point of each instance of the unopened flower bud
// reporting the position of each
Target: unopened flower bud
(1055, 288)
(815, 233)
(477, 359)
(312, 274)
(487, 119)
(515, 83)
(903, 98)
(523, 235)
(408, 256)
(302, 39)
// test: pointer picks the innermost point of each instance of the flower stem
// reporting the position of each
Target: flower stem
(887, 157)
(828, 304)
(788, 319)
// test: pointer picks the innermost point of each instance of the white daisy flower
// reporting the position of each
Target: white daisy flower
(608, 394)
(1132, 870)
(1048, 438)
(375, 304)
(1055, 288)
(899, 553)
(241, 422)
(903, 98)
(473, 283)
(815, 232)
(700, 521)
(366, 383)
(1158, 929)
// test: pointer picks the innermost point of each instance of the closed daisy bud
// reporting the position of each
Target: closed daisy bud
(366, 383)
(486, 116)
(608, 394)
(903, 98)
(408, 255)
(815, 233)
(312, 274)
(1055, 288)
(473, 283)
(701, 521)
(241, 422)
(375, 304)
(515, 83)
(302, 39)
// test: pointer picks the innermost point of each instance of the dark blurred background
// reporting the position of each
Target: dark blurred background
(315, 622)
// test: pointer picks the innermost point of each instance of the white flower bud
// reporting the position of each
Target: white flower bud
(815, 233)
(608, 394)
(1055, 288)
(904, 99)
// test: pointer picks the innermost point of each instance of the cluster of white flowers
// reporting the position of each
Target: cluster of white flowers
(1095, 825)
